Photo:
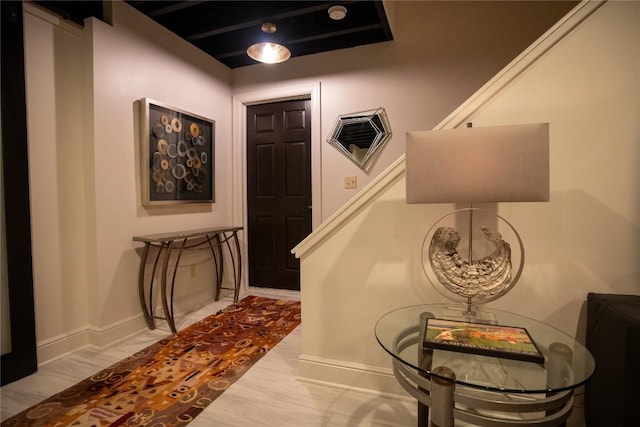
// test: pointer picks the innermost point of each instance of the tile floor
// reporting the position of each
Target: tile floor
(268, 394)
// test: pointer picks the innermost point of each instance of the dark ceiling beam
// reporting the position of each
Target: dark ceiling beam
(232, 54)
(258, 21)
(382, 16)
(324, 36)
(174, 7)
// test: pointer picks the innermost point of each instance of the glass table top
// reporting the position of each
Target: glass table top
(398, 332)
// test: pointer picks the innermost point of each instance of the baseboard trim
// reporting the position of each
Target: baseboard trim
(61, 345)
(350, 376)
(101, 337)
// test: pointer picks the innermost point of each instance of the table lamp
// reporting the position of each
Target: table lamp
(475, 165)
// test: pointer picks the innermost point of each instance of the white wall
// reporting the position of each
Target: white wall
(584, 240)
(82, 88)
(587, 239)
(83, 85)
(441, 53)
(161, 67)
(54, 72)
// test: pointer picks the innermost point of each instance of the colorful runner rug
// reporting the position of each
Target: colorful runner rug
(173, 380)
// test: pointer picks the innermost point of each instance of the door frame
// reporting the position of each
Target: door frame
(22, 359)
(239, 153)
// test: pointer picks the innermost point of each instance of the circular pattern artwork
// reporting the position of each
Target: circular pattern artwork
(180, 149)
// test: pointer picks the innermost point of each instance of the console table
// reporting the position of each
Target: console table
(211, 239)
(484, 390)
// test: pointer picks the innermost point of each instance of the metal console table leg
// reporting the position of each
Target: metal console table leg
(216, 238)
(147, 308)
(222, 240)
(219, 266)
(167, 305)
(236, 265)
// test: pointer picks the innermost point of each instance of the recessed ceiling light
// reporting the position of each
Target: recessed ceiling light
(337, 12)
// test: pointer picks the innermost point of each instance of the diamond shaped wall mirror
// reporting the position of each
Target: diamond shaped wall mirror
(361, 136)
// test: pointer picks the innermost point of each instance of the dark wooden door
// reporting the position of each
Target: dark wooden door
(278, 190)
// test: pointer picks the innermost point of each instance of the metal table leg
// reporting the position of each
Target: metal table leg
(167, 305)
(179, 240)
(147, 309)
(236, 268)
(218, 266)
(442, 387)
(425, 358)
(236, 264)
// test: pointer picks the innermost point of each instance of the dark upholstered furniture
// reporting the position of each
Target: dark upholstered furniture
(612, 396)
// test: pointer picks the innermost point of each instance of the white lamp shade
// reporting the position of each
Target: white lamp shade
(479, 164)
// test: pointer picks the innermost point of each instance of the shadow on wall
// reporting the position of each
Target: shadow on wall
(599, 242)
(575, 245)
(600, 246)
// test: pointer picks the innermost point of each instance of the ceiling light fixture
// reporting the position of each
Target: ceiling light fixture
(337, 13)
(269, 51)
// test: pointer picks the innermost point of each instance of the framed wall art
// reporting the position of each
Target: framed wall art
(178, 155)
(509, 342)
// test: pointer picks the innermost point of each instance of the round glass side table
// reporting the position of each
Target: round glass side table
(485, 390)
